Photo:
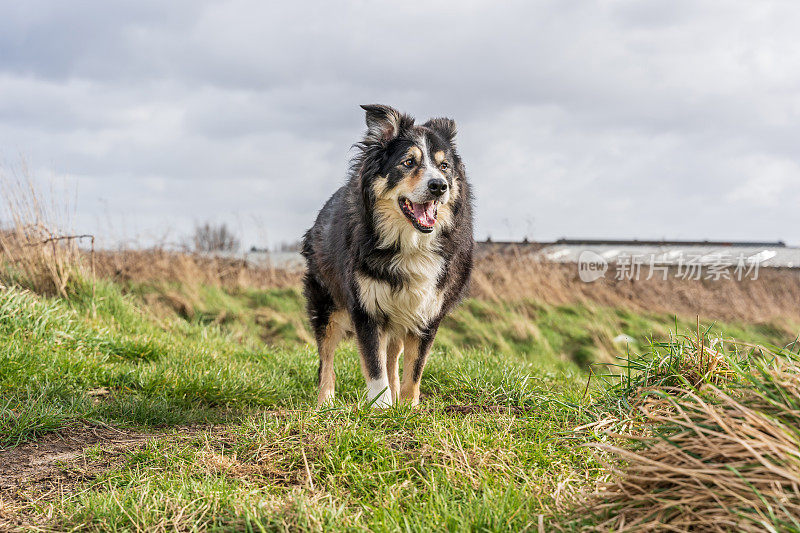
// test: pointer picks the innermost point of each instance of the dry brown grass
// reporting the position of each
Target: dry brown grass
(712, 461)
(48, 263)
(160, 265)
(774, 296)
(39, 252)
(36, 252)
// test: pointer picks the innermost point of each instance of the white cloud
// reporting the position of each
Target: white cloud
(766, 182)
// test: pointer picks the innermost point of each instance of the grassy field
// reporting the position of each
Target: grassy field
(160, 407)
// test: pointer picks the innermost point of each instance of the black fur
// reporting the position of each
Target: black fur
(344, 240)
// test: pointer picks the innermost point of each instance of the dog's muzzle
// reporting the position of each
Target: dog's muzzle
(422, 214)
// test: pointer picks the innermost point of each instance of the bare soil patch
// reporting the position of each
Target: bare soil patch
(60, 462)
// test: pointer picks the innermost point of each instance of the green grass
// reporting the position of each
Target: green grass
(504, 455)
(528, 329)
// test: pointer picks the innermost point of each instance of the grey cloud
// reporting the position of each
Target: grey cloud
(672, 119)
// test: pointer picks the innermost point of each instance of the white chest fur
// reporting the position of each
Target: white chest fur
(411, 307)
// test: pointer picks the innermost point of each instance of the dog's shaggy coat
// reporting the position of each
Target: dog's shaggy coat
(390, 253)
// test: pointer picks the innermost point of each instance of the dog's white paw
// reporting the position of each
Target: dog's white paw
(324, 399)
(379, 391)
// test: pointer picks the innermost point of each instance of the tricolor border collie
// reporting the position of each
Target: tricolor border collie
(390, 253)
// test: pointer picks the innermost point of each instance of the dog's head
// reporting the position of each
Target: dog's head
(411, 175)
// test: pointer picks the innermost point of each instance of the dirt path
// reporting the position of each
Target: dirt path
(58, 462)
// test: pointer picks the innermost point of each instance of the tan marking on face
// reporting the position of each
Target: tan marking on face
(454, 190)
(445, 217)
(379, 186)
(412, 179)
(387, 214)
(438, 157)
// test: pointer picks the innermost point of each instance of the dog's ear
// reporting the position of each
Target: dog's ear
(446, 127)
(384, 123)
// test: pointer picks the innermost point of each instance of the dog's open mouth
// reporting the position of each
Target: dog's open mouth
(422, 216)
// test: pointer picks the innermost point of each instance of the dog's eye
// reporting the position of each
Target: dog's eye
(409, 163)
(444, 165)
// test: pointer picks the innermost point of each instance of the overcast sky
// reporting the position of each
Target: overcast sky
(608, 119)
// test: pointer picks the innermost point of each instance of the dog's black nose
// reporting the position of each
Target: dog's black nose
(437, 186)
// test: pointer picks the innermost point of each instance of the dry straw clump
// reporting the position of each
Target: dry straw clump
(35, 252)
(714, 460)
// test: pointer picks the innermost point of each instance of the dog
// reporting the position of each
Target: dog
(390, 253)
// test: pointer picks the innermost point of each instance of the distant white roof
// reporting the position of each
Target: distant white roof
(670, 254)
(787, 257)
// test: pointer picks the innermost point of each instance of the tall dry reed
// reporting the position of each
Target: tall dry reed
(37, 250)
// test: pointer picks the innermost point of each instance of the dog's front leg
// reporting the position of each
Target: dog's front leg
(392, 354)
(372, 348)
(415, 355)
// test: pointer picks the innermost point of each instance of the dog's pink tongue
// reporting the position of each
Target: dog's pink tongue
(425, 213)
